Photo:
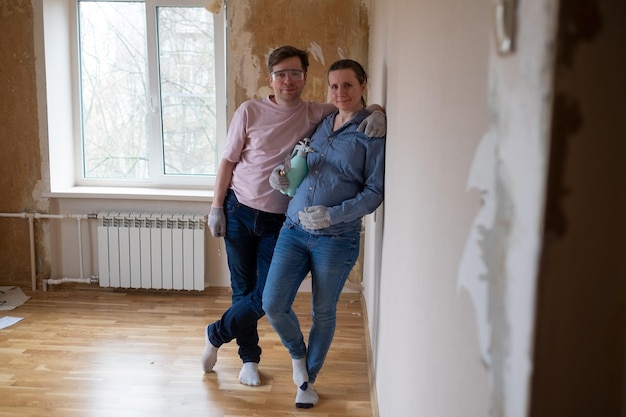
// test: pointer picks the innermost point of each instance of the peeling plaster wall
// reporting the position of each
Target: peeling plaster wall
(520, 108)
(329, 30)
(20, 158)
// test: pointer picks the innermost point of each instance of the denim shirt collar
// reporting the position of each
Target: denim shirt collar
(356, 120)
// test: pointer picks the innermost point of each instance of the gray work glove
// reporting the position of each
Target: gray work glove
(217, 222)
(278, 178)
(375, 125)
(314, 217)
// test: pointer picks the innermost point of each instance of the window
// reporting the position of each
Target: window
(148, 95)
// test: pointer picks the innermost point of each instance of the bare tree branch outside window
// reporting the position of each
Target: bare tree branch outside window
(117, 108)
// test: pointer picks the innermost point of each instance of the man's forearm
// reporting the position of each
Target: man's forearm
(222, 182)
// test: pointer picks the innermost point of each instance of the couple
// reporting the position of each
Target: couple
(269, 254)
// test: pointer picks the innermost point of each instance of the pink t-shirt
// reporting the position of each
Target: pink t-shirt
(261, 135)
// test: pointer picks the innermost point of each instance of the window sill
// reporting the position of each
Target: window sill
(120, 193)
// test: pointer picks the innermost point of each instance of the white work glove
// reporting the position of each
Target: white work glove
(217, 222)
(278, 178)
(375, 125)
(314, 217)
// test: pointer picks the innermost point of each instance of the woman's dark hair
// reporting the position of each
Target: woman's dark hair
(284, 52)
(360, 73)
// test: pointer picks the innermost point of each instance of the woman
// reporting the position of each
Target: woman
(321, 233)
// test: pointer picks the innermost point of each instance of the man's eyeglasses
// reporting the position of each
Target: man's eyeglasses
(294, 75)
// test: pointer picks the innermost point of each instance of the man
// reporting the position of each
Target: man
(246, 211)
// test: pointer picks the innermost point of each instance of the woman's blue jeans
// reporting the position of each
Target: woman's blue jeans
(250, 238)
(330, 260)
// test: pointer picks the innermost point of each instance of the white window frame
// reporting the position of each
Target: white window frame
(60, 119)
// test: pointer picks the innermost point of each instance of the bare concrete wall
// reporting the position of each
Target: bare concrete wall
(20, 158)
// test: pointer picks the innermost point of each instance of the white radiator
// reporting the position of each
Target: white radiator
(155, 251)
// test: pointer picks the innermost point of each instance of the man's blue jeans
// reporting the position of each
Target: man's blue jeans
(330, 260)
(250, 239)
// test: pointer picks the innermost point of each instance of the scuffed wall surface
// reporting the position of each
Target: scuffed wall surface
(20, 160)
(327, 29)
(507, 230)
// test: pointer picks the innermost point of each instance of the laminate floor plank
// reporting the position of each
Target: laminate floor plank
(94, 352)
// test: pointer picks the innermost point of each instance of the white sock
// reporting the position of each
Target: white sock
(209, 356)
(300, 374)
(249, 374)
(306, 396)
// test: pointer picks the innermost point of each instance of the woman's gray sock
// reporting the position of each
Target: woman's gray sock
(306, 396)
(300, 374)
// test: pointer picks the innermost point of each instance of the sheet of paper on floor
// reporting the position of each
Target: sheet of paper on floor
(7, 321)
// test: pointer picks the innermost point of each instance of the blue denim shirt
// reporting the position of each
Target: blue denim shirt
(346, 174)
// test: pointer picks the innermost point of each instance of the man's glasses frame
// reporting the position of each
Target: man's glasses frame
(293, 74)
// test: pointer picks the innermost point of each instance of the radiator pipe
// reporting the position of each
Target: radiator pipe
(33, 266)
(31, 216)
(56, 281)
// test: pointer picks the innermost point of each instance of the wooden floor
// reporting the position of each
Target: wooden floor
(94, 352)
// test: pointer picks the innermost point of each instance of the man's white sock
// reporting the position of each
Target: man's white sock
(249, 374)
(209, 356)
(306, 396)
